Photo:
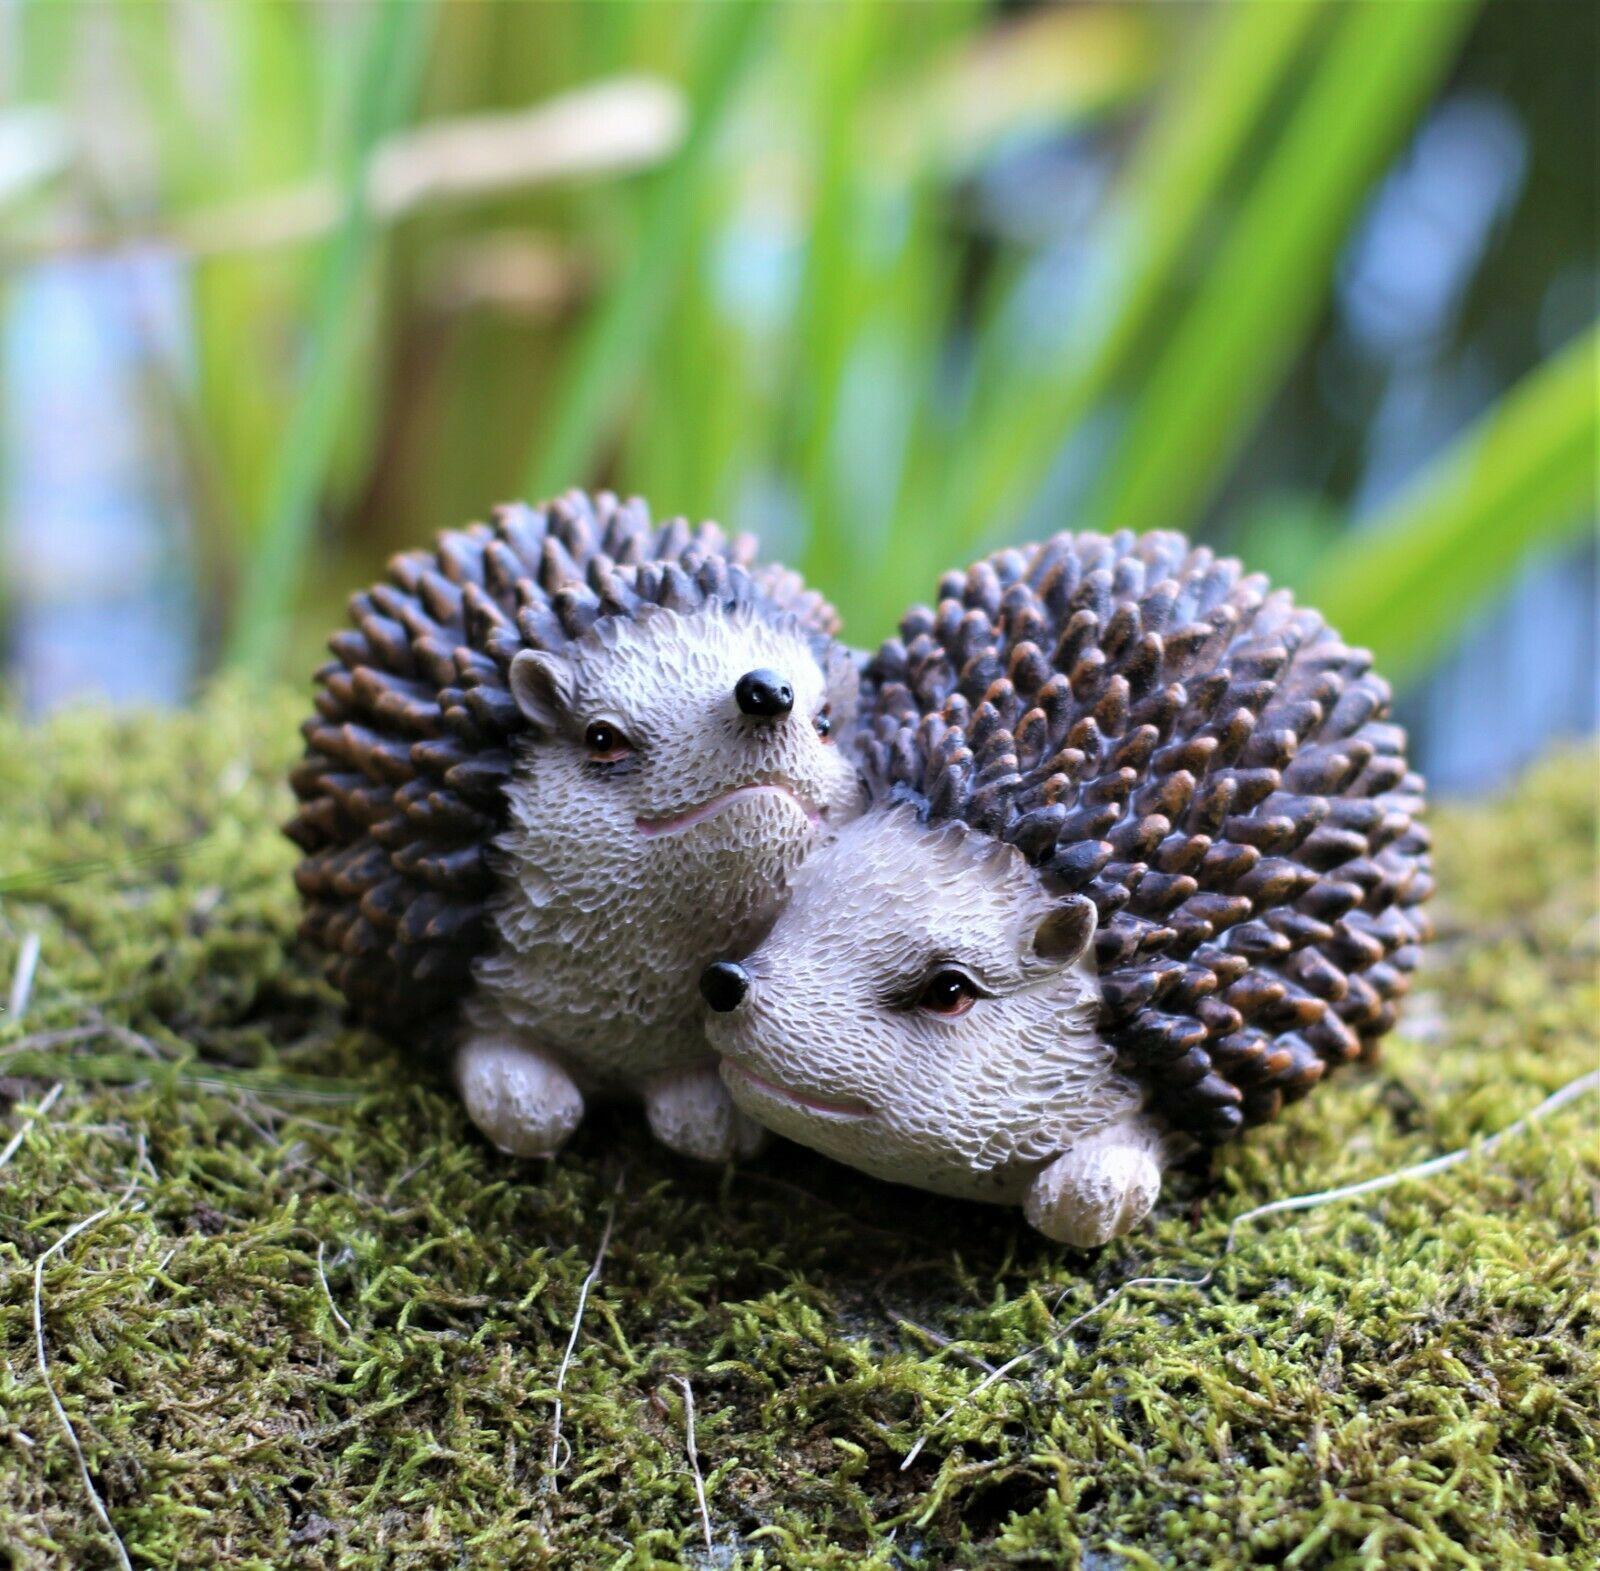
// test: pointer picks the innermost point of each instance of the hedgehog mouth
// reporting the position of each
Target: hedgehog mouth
(675, 823)
(847, 1108)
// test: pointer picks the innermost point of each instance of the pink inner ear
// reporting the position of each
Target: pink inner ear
(1065, 933)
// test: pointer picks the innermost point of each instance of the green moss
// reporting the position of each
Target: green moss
(1406, 1381)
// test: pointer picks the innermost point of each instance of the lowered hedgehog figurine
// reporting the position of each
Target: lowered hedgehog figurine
(1142, 865)
(557, 765)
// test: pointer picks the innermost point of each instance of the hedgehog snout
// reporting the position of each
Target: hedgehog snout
(723, 985)
(763, 695)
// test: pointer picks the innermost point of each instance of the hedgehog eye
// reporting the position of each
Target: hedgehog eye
(824, 721)
(606, 744)
(948, 992)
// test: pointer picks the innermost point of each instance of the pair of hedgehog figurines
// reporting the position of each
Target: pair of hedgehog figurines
(1103, 859)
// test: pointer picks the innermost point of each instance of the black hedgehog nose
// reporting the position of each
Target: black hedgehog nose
(723, 985)
(763, 694)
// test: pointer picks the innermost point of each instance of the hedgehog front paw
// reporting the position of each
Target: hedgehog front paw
(690, 1112)
(523, 1100)
(1102, 1187)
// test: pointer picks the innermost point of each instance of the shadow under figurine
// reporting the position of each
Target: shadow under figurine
(1141, 866)
(558, 764)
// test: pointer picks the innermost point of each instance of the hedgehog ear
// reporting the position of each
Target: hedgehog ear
(1066, 931)
(541, 683)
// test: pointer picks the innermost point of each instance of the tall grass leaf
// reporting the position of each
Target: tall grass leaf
(1523, 476)
(881, 416)
(621, 335)
(46, 34)
(1260, 297)
(391, 69)
(834, 288)
(243, 390)
(1017, 81)
(1211, 116)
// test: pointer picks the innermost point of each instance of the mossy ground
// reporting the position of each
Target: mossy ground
(1405, 1381)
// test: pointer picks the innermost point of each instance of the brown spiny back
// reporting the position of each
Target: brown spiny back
(1211, 766)
(401, 788)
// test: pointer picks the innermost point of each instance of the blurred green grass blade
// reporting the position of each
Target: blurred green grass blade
(243, 395)
(621, 335)
(1212, 114)
(1007, 82)
(391, 70)
(1260, 297)
(867, 462)
(1523, 476)
(835, 284)
(46, 34)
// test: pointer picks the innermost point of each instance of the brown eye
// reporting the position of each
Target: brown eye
(606, 743)
(824, 721)
(948, 993)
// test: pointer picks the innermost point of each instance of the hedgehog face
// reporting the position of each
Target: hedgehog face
(698, 747)
(922, 1009)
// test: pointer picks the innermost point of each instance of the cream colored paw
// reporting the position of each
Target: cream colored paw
(1101, 1188)
(690, 1112)
(522, 1100)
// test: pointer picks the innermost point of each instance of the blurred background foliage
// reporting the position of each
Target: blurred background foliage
(286, 286)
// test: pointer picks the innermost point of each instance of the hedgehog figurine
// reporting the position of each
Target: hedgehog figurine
(1141, 865)
(557, 765)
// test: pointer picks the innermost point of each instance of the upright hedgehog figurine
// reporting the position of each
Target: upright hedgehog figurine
(1142, 865)
(558, 764)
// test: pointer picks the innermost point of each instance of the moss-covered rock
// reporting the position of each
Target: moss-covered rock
(328, 1326)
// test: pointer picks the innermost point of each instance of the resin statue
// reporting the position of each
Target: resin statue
(558, 764)
(1141, 865)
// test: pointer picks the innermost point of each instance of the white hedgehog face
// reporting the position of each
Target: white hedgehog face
(922, 1009)
(698, 751)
